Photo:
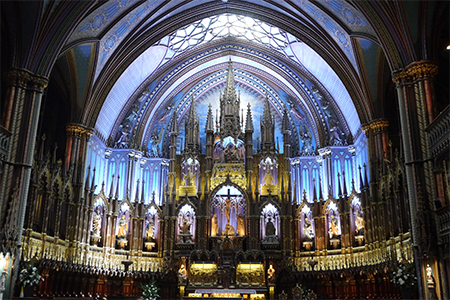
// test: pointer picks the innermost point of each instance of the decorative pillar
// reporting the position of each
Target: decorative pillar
(377, 146)
(415, 99)
(23, 101)
(319, 223)
(326, 171)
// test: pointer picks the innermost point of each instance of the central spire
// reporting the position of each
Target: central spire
(229, 108)
(230, 85)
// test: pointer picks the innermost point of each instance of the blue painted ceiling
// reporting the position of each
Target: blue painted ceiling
(137, 85)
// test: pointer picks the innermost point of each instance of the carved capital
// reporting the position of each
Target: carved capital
(416, 70)
(422, 69)
(376, 126)
(399, 76)
(75, 129)
(78, 130)
(17, 77)
(39, 83)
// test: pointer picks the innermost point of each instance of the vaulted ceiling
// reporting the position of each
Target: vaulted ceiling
(125, 65)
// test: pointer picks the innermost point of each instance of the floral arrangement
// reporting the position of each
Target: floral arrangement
(404, 275)
(150, 291)
(30, 275)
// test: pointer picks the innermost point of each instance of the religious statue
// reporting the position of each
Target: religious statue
(124, 128)
(214, 226)
(271, 274)
(188, 179)
(240, 225)
(229, 230)
(123, 228)
(430, 280)
(334, 227)
(270, 228)
(268, 178)
(359, 223)
(150, 232)
(182, 274)
(307, 142)
(227, 210)
(185, 228)
(308, 229)
(335, 133)
(96, 224)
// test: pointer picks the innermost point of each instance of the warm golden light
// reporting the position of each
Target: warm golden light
(194, 295)
(448, 47)
(250, 274)
(226, 295)
(257, 297)
(203, 273)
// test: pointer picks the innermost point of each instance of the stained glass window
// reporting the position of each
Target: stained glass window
(228, 25)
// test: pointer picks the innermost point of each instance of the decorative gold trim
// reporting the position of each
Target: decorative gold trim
(78, 129)
(378, 125)
(420, 69)
(399, 76)
(235, 172)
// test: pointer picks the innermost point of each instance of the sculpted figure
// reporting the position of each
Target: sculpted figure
(334, 229)
(182, 274)
(150, 232)
(359, 223)
(308, 229)
(96, 224)
(123, 228)
(227, 210)
(268, 178)
(430, 280)
(185, 228)
(214, 226)
(270, 228)
(240, 225)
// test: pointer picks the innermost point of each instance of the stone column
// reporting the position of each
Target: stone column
(23, 102)
(415, 100)
(377, 145)
(76, 148)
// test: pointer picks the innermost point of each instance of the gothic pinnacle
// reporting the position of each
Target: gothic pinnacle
(230, 86)
(93, 181)
(174, 122)
(137, 192)
(142, 195)
(285, 126)
(112, 187)
(249, 119)
(117, 187)
(86, 185)
(209, 120)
